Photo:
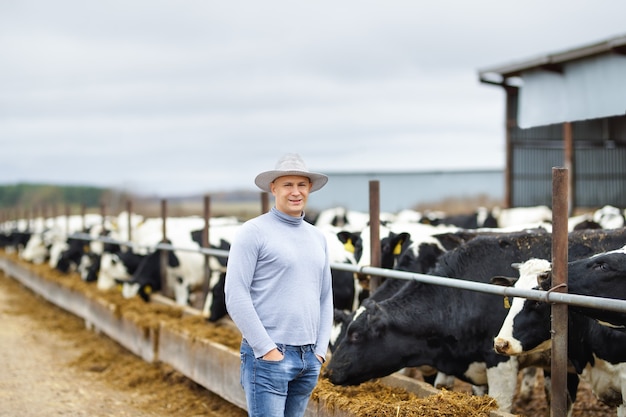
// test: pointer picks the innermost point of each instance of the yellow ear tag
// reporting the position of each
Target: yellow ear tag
(398, 249)
(349, 246)
(507, 304)
(85, 248)
(148, 289)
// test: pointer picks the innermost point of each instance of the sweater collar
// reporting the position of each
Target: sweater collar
(287, 218)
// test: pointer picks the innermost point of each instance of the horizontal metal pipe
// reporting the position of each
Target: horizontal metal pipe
(538, 295)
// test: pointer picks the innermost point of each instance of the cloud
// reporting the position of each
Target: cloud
(173, 96)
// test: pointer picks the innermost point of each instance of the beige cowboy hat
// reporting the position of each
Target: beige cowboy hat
(290, 164)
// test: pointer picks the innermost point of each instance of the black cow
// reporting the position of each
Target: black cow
(449, 329)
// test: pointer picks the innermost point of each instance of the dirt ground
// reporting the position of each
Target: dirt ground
(52, 365)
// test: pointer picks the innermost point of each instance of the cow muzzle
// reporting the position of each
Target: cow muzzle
(503, 346)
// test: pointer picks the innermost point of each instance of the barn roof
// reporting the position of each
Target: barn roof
(583, 83)
(552, 62)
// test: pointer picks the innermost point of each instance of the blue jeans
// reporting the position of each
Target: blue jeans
(279, 388)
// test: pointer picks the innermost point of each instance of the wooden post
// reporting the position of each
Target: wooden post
(206, 285)
(164, 253)
(83, 214)
(558, 404)
(265, 202)
(129, 210)
(67, 219)
(375, 256)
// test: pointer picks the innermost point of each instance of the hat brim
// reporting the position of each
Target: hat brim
(264, 179)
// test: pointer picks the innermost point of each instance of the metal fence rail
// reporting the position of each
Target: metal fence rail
(538, 295)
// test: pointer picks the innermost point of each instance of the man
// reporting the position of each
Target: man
(279, 294)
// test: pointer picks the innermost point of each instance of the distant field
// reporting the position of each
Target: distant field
(243, 210)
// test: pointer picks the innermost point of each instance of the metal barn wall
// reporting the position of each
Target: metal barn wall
(599, 162)
(405, 190)
(590, 88)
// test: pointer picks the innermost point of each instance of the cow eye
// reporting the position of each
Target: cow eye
(602, 266)
(354, 337)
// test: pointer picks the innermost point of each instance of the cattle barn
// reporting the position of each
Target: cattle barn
(566, 109)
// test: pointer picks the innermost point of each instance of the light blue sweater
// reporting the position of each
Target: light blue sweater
(278, 283)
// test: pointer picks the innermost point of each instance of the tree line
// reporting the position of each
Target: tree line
(37, 195)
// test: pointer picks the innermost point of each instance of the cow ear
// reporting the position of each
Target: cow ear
(377, 320)
(340, 316)
(402, 237)
(503, 281)
(172, 259)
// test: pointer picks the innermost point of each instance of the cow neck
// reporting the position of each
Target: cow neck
(285, 218)
(603, 342)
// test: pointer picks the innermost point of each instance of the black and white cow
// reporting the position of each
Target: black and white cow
(400, 252)
(112, 267)
(602, 275)
(221, 235)
(147, 277)
(185, 268)
(49, 237)
(451, 330)
(609, 217)
(72, 254)
(16, 240)
(70, 257)
(596, 352)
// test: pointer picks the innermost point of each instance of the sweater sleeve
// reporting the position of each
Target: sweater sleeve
(326, 311)
(239, 273)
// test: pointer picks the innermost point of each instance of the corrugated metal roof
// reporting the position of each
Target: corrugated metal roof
(500, 74)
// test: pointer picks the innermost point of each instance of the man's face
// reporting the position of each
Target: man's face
(291, 193)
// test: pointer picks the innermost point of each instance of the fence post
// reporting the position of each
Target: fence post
(206, 285)
(67, 219)
(165, 290)
(129, 211)
(83, 214)
(265, 202)
(103, 215)
(374, 196)
(558, 403)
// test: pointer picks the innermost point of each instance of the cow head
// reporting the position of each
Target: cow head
(367, 339)
(527, 324)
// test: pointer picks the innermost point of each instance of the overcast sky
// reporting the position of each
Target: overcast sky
(192, 96)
